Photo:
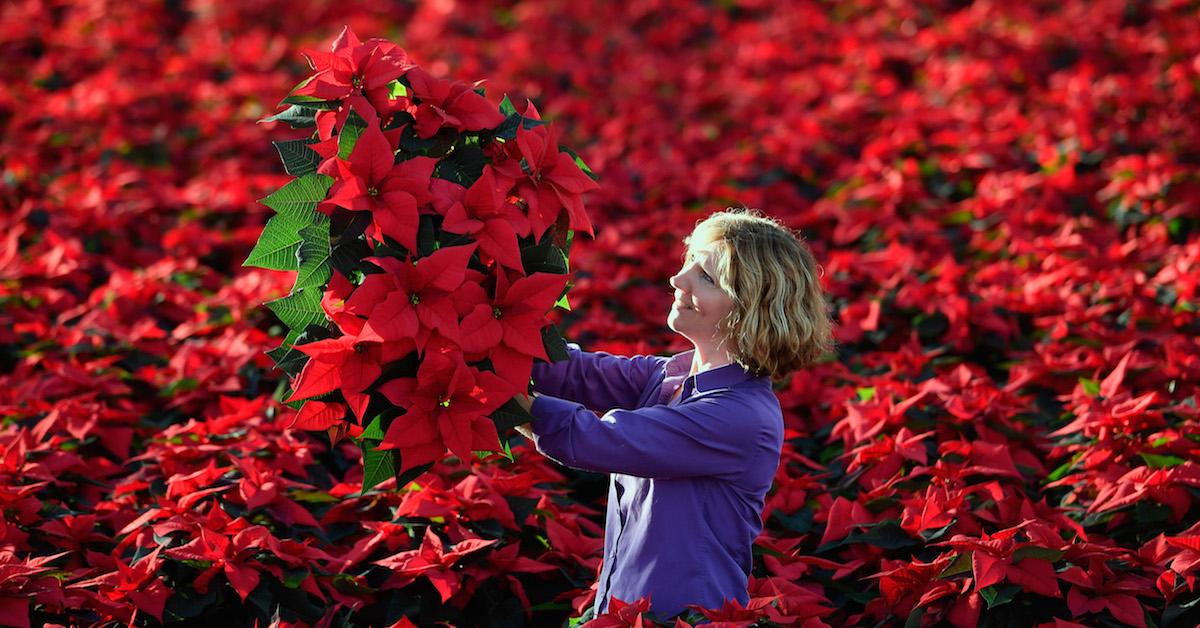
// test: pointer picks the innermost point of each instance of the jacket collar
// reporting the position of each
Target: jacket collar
(721, 377)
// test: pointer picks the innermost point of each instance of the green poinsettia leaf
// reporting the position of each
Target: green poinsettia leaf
(298, 159)
(299, 198)
(579, 162)
(299, 309)
(510, 415)
(556, 347)
(378, 466)
(348, 136)
(278, 245)
(313, 257)
(506, 106)
(295, 116)
(463, 166)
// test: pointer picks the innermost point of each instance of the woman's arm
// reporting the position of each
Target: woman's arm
(598, 380)
(712, 437)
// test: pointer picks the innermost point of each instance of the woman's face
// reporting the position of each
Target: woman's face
(699, 302)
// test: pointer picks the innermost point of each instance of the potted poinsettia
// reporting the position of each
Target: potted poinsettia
(429, 231)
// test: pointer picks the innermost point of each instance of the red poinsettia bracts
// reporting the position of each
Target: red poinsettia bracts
(413, 299)
(354, 67)
(432, 561)
(448, 103)
(445, 406)
(349, 363)
(508, 329)
(544, 180)
(371, 181)
(483, 214)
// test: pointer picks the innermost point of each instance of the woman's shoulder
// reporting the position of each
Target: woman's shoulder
(748, 403)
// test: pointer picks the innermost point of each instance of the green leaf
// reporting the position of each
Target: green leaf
(405, 477)
(1064, 468)
(914, 617)
(866, 393)
(278, 245)
(886, 534)
(374, 429)
(298, 199)
(579, 162)
(544, 257)
(562, 303)
(348, 136)
(436, 146)
(277, 354)
(1033, 551)
(299, 309)
(298, 158)
(296, 116)
(963, 563)
(396, 89)
(932, 535)
(998, 594)
(464, 165)
(378, 466)
(291, 360)
(800, 521)
(510, 415)
(556, 347)
(313, 256)
(1091, 387)
(426, 236)
(506, 107)
(1157, 461)
(508, 129)
(312, 497)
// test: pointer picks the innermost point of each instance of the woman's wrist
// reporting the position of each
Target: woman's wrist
(526, 401)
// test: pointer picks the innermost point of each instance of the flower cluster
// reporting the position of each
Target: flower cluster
(429, 231)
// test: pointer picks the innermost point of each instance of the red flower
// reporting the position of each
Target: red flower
(137, 584)
(413, 298)
(483, 214)
(372, 181)
(545, 180)
(446, 406)
(229, 555)
(623, 615)
(509, 328)
(350, 362)
(432, 561)
(355, 67)
(449, 103)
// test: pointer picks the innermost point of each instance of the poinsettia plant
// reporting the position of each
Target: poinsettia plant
(429, 231)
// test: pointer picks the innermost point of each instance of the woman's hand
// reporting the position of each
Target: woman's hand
(526, 403)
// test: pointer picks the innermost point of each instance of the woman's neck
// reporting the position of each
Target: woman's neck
(705, 358)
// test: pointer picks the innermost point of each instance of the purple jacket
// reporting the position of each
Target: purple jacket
(689, 477)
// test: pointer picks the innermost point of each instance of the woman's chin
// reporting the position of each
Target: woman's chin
(673, 320)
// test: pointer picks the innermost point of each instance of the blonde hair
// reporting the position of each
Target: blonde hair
(780, 319)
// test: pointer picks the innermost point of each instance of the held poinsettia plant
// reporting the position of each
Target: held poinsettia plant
(429, 231)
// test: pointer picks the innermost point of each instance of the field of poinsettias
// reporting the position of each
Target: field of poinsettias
(1005, 199)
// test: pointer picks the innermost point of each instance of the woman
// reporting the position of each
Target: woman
(692, 441)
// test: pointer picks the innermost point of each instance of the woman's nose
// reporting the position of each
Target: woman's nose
(675, 281)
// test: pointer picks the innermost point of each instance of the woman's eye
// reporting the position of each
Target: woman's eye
(705, 277)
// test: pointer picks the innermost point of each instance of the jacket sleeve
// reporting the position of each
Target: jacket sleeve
(598, 380)
(703, 437)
